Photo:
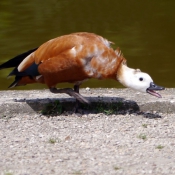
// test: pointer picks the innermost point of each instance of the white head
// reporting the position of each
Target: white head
(137, 80)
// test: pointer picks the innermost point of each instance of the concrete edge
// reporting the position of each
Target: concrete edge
(32, 102)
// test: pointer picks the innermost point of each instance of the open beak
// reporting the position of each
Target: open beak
(153, 87)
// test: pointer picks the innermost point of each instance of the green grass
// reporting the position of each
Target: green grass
(116, 168)
(52, 140)
(159, 147)
(144, 125)
(8, 173)
(105, 108)
(76, 173)
(142, 136)
(53, 108)
(56, 108)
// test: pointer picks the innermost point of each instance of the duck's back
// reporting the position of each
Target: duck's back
(74, 57)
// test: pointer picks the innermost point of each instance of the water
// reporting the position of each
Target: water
(144, 30)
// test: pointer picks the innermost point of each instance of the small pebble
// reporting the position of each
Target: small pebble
(87, 89)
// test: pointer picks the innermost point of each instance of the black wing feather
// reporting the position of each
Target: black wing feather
(14, 62)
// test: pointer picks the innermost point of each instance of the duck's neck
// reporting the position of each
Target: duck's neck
(124, 75)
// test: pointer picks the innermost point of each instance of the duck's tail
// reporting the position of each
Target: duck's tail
(20, 76)
(14, 62)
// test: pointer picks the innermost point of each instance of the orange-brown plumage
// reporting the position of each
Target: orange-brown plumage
(73, 58)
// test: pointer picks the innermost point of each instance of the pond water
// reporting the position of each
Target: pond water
(144, 30)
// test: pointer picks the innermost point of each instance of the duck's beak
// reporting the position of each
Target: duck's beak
(153, 87)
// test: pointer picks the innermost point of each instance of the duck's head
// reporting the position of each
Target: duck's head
(137, 80)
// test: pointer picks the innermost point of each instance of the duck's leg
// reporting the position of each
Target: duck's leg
(71, 92)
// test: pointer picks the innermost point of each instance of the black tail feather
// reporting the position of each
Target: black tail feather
(17, 73)
(13, 72)
(17, 79)
(14, 62)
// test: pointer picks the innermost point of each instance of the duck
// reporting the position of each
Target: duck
(75, 58)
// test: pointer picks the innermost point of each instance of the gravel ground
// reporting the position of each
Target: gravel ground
(87, 144)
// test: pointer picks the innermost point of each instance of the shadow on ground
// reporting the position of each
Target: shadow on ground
(105, 105)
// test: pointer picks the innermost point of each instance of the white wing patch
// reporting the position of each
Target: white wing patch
(20, 67)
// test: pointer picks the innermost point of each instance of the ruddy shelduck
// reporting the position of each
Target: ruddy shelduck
(75, 58)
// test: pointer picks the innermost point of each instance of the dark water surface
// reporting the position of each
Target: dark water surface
(144, 30)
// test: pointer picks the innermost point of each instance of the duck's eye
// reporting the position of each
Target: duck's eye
(141, 79)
